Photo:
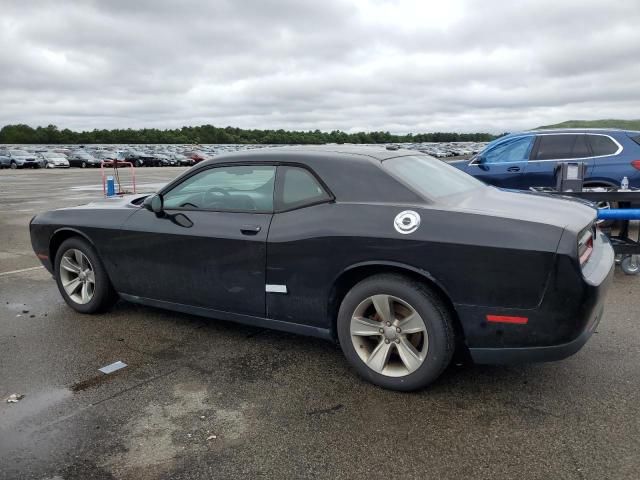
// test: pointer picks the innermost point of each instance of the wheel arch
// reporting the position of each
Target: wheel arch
(59, 236)
(599, 182)
(353, 274)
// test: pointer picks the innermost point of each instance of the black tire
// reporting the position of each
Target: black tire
(103, 296)
(13, 165)
(434, 313)
(83, 165)
(630, 265)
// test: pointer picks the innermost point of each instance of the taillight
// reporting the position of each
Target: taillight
(636, 164)
(585, 245)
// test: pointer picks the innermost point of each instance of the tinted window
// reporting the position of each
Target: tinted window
(429, 177)
(580, 147)
(516, 150)
(300, 187)
(602, 145)
(245, 188)
(556, 147)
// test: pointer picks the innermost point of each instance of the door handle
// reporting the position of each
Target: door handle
(250, 229)
(513, 169)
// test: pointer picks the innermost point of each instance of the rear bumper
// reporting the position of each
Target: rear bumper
(561, 325)
(497, 356)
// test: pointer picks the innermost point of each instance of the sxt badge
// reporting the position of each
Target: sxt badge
(407, 222)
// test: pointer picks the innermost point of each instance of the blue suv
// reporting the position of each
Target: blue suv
(528, 159)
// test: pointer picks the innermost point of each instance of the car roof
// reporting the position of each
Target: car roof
(378, 153)
(353, 173)
(573, 130)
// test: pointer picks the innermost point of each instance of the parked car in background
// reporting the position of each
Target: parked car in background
(5, 159)
(183, 160)
(105, 155)
(23, 159)
(196, 156)
(529, 159)
(162, 160)
(83, 159)
(402, 266)
(54, 160)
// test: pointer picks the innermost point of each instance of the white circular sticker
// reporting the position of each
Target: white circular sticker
(406, 222)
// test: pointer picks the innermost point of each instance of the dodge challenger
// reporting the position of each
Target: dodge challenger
(398, 256)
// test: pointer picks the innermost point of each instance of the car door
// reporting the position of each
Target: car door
(614, 158)
(208, 247)
(504, 164)
(296, 273)
(551, 149)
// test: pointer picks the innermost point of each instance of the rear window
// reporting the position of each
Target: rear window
(602, 145)
(636, 139)
(429, 177)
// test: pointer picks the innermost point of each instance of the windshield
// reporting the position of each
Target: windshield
(430, 177)
(19, 153)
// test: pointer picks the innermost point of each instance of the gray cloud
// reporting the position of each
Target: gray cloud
(405, 65)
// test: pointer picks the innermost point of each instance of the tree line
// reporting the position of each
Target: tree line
(21, 133)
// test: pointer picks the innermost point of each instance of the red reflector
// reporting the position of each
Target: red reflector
(507, 319)
(636, 164)
(42, 256)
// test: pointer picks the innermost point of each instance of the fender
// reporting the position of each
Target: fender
(400, 265)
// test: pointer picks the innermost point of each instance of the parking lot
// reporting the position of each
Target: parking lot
(209, 399)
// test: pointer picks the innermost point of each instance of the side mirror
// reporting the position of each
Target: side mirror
(154, 203)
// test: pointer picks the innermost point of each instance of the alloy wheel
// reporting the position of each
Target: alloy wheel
(389, 335)
(77, 276)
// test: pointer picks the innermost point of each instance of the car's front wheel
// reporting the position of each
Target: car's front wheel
(81, 277)
(395, 332)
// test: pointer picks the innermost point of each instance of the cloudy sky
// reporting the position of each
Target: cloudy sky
(403, 66)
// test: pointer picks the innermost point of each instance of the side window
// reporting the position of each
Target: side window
(558, 147)
(236, 188)
(602, 145)
(580, 147)
(299, 187)
(517, 150)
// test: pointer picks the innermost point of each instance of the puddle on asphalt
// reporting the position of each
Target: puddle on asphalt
(32, 404)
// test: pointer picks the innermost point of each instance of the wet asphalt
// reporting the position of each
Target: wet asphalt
(210, 399)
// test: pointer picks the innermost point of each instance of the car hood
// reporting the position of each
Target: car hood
(461, 164)
(118, 201)
(564, 212)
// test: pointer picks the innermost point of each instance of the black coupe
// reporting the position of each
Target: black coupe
(399, 256)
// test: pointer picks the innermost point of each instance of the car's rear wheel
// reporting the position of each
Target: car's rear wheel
(395, 332)
(81, 277)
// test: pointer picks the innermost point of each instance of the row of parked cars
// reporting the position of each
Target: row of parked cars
(85, 157)
(59, 156)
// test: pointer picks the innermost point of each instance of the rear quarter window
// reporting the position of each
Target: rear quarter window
(602, 145)
(299, 188)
